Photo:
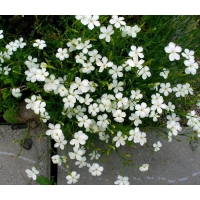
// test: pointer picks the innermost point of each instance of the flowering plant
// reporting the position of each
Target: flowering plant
(101, 80)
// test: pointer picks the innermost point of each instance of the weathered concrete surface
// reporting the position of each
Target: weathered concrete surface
(12, 169)
(174, 164)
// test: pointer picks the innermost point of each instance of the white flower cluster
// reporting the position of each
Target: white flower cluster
(56, 133)
(173, 125)
(194, 121)
(35, 71)
(97, 113)
(10, 48)
(36, 104)
(106, 32)
(190, 63)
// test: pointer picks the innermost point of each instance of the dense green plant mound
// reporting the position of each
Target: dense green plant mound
(103, 79)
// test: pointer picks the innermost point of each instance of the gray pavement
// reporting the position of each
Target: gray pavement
(174, 164)
(12, 168)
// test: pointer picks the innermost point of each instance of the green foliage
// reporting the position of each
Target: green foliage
(44, 181)
(10, 115)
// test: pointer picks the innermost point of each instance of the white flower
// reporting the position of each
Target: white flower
(16, 92)
(136, 52)
(105, 104)
(1, 58)
(41, 74)
(84, 46)
(170, 107)
(1, 35)
(39, 107)
(87, 67)
(31, 62)
(144, 167)
(79, 139)
(187, 89)
(134, 135)
(44, 116)
(188, 54)
(165, 88)
(69, 101)
(62, 54)
(158, 104)
(7, 54)
(131, 31)
(165, 73)
(117, 21)
(94, 155)
(102, 121)
(91, 21)
(82, 18)
(192, 66)
(144, 72)
(83, 121)
(73, 177)
(154, 115)
(30, 102)
(20, 43)
(119, 116)
(12, 46)
(31, 74)
(122, 180)
(81, 162)
(136, 95)
(173, 117)
(93, 109)
(81, 86)
(6, 70)
(116, 71)
(104, 64)
(77, 154)
(134, 62)
(116, 85)
(92, 86)
(56, 159)
(40, 44)
(103, 136)
(142, 110)
(54, 130)
(180, 91)
(32, 173)
(73, 43)
(79, 110)
(141, 138)
(136, 119)
(51, 83)
(173, 51)
(94, 56)
(80, 58)
(120, 139)
(174, 127)
(95, 169)
(62, 91)
(106, 32)
(121, 100)
(157, 146)
(60, 142)
(87, 100)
